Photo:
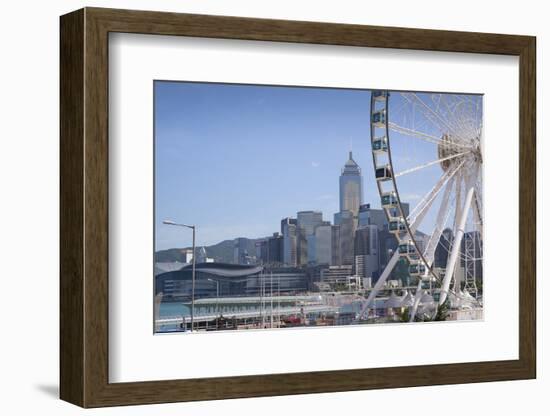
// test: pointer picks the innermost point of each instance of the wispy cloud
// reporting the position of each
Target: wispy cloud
(315, 164)
(325, 197)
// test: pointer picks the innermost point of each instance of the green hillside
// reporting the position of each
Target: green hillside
(221, 252)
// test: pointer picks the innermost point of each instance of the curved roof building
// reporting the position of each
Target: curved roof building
(211, 279)
(224, 270)
(222, 280)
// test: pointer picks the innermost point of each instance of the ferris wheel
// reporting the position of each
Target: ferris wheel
(427, 151)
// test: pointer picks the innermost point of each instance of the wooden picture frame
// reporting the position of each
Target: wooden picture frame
(84, 207)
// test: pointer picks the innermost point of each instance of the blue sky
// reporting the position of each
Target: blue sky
(236, 159)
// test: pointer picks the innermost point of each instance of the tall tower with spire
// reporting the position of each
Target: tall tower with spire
(351, 187)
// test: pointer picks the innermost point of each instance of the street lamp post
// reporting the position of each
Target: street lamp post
(192, 227)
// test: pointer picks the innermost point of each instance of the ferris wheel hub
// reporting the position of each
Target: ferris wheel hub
(448, 148)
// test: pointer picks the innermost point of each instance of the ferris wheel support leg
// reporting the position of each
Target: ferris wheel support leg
(417, 297)
(380, 282)
(457, 242)
(429, 253)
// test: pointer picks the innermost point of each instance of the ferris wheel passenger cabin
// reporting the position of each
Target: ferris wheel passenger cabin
(383, 173)
(380, 145)
(389, 200)
(380, 95)
(397, 225)
(408, 250)
(417, 268)
(379, 118)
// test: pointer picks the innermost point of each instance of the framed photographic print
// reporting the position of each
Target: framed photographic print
(255, 207)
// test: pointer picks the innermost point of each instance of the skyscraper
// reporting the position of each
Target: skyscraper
(275, 249)
(335, 252)
(322, 246)
(351, 198)
(443, 248)
(351, 187)
(346, 221)
(290, 248)
(269, 251)
(261, 251)
(366, 250)
(240, 251)
(307, 221)
(371, 216)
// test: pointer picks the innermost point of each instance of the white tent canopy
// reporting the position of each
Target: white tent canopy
(393, 301)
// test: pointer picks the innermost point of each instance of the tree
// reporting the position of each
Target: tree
(443, 311)
(405, 316)
(479, 285)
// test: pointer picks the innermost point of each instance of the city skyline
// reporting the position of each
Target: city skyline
(350, 199)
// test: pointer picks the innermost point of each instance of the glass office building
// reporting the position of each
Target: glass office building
(351, 187)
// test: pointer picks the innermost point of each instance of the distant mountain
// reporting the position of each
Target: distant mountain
(221, 252)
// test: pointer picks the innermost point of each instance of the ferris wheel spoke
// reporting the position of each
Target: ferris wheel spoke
(433, 162)
(424, 205)
(458, 120)
(450, 109)
(450, 243)
(414, 133)
(434, 117)
(415, 223)
(460, 113)
(420, 135)
(474, 114)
